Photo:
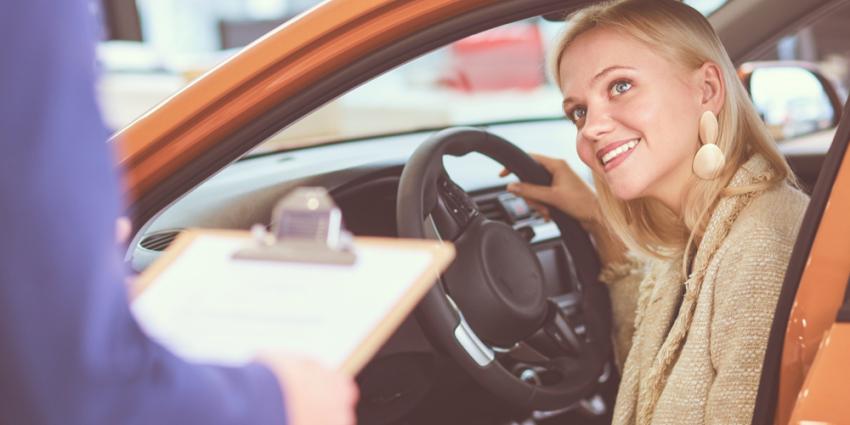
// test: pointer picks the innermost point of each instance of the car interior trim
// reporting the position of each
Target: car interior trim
(473, 345)
(737, 21)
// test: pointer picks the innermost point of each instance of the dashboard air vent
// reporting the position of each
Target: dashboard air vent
(159, 241)
(491, 208)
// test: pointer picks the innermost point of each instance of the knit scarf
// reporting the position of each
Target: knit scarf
(644, 391)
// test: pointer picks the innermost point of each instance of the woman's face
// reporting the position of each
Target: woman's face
(637, 114)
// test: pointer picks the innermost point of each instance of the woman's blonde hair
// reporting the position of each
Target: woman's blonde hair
(683, 36)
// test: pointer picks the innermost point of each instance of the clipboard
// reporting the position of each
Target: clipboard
(207, 306)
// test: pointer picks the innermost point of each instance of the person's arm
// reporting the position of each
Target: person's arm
(748, 282)
(70, 351)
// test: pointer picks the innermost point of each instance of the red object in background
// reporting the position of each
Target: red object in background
(509, 57)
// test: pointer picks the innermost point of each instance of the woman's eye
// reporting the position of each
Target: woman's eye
(578, 113)
(620, 87)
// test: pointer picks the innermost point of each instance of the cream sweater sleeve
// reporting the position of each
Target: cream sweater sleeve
(623, 280)
(749, 280)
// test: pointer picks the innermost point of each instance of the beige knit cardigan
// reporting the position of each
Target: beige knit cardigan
(693, 348)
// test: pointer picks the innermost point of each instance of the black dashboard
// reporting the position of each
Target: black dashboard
(361, 175)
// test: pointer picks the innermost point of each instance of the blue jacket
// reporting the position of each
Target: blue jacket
(70, 351)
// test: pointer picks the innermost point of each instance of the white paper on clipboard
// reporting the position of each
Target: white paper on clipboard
(208, 307)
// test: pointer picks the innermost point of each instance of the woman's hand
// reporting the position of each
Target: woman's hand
(123, 230)
(568, 192)
(314, 395)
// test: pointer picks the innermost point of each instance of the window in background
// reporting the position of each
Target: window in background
(791, 100)
(823, 44)
(190, 27)
(153, 48)
(120, 19)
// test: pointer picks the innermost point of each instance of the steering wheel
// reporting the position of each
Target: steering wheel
(489, 311)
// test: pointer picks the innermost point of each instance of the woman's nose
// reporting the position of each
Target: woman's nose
(597, 124)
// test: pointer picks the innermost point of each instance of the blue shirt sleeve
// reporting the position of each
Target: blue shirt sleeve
(70, 350)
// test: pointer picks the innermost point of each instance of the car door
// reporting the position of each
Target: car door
(805, 369)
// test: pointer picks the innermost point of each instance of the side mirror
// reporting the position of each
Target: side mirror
(793, 98)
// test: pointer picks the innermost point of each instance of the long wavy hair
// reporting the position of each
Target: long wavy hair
(683, 36)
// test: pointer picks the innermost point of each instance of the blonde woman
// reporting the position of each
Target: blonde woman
(695, 211)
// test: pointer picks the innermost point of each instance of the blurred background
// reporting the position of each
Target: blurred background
(151, 49)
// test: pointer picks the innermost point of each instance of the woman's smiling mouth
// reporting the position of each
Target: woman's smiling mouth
(612, 155)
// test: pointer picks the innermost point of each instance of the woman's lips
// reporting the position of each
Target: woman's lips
(615, 153)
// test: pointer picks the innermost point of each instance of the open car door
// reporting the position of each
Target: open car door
(799, 381)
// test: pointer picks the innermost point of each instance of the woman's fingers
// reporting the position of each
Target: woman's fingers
(123, 229)
(504, 173)
(541, 209)
(313, 394)
(567, 192)
(532, 191)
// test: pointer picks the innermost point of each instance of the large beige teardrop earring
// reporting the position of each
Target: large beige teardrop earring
(709, 160)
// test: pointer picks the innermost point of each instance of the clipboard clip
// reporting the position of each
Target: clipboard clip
(306, 228)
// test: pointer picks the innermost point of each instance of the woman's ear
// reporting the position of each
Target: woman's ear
(712, 87)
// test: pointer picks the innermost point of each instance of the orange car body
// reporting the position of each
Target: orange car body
(815, 374)
(814, 383)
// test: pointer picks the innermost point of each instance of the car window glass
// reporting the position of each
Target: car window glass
(494, 76)
(791, 101)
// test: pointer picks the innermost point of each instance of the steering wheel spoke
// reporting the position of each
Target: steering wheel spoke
(454, 209)
(560, 335)
(477, 349)
(523, 352)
